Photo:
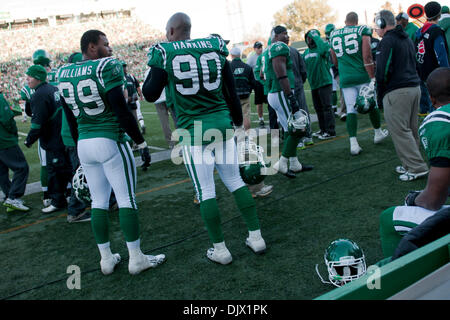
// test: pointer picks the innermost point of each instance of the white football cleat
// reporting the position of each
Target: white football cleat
(143, 262)
(258, 245)
(219, 254)
(281, 165)
(380, 135)
(108, 265)
(355, 149)
(295, 165)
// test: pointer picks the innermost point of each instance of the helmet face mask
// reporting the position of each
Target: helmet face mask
(365, 102)
(80, 186)
(345, 262)
(252, 166)
(298, 124)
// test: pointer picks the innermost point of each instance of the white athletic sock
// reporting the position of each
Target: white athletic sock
(141, 123)
(105, 250)
(134, 248)
(256, 234)
(220, 246)
(261, 118)
(377, 131)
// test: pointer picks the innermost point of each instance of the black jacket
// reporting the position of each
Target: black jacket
(298, 67)
(396, 63)
(46, 111)
(244, 78)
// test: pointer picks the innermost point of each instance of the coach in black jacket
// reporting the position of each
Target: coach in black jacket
(398, 87)
(46, 111)
(245, 83)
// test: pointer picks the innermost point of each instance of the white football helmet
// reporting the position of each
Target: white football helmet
(298, 123)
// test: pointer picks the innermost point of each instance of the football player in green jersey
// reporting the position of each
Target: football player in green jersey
(282, 99)
(351, 53)
(97, 113)
(422, 205)
(200, 84)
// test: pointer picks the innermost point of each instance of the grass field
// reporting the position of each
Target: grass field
(342, 197)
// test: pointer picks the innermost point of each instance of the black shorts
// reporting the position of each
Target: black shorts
(260, 97)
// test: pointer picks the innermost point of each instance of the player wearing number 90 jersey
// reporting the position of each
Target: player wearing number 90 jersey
(94, 103)
(351, 53)
(200, 84)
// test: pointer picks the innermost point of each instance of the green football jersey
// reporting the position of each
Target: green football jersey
(51, 77)
(26, 92)
(347, 44)
(84, 86)
(435, 133)
(194, 69)
(278, 49)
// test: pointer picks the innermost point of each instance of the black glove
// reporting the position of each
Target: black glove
(411, 198)
(27, 144)
(293, 103)
(146, 158)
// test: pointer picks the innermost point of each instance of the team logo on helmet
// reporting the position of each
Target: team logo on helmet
(298, 124)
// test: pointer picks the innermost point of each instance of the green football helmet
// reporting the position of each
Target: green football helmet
(365, 102)
(80, 186)
(41, 57)
(329, 28)
(298, 124)
(252, 166)
(345, 261)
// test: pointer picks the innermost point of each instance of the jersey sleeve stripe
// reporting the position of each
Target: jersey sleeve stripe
(163, 53)
(100, 68)
(436, 116)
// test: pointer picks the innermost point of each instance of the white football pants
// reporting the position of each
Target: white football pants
(108, 164)
(200, 162)
(278, 102)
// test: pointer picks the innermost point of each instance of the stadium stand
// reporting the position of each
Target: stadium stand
(128, 36)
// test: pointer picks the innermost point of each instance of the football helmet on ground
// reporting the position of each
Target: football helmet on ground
(80, 186)
(345, 262)
(365, 102)
(252, 166)
(41, 57)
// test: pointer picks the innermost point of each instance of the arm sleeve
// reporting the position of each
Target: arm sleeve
(440, 50)
(384, 55)
(38, 119)
(154, 84)
(71, 120)
(126, 119)
(229, 92)
(28, 108)
(303, 71)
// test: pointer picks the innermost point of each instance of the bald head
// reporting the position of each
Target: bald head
(178, 27)
(438, 84)
(351, 19)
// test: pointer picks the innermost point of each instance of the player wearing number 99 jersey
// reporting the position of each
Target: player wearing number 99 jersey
(200, 84)
(351, 53)
(98, 116)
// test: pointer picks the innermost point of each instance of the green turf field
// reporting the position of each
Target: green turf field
(342, 197)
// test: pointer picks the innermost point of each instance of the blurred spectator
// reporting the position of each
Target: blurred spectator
(260, 98)
(409, 27)
(444, 23)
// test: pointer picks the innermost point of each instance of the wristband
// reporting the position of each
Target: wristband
(282, 77)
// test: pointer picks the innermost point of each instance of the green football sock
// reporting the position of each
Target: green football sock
(100, 225)
(352, 124)
(390, 238)
(211, 217)
(375, 118)
(129, 223)
(246, 205)
(44, 177)
(290, 146)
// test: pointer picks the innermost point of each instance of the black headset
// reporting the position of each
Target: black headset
(381, 23)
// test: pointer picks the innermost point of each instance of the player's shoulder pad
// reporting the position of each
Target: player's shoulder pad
(156, 54)
(365, 30)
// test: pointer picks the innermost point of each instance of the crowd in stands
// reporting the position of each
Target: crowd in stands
(129, 38)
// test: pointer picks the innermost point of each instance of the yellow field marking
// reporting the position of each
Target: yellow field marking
(155, 189)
